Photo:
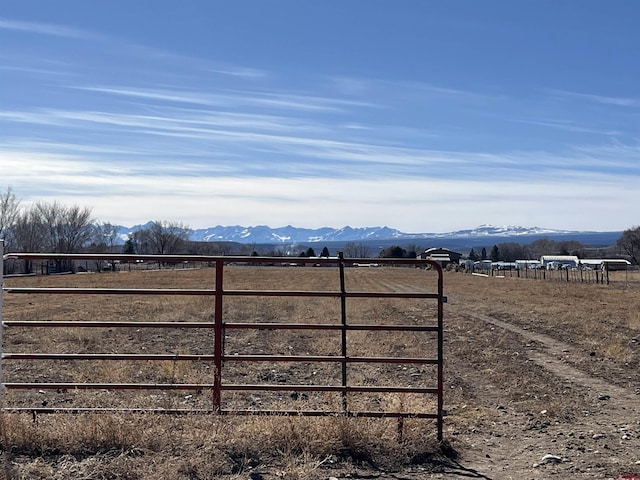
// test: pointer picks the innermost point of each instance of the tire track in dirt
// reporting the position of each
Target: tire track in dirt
(591, 426)
(550, 358)
(599, 438)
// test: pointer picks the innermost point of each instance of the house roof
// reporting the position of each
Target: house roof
(438, 250)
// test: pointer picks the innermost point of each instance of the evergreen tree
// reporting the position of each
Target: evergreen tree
(473, 255)
(483, 254)
(129, 247)
(495, 254)
(395, 251)
(325, 252)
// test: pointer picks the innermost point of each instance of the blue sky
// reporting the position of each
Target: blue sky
(420, 115)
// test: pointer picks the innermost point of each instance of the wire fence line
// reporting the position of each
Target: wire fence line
(629, 277)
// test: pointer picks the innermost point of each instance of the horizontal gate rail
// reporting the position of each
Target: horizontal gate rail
(100, 324)
(327, 358)
(107, 356)
(104, 386)
(218, 357)
(323, 326)
(204, 358)
(228, 326)
(110, 291)
(328, 388)
(243, 293)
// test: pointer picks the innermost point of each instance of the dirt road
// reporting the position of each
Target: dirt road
(531, 412)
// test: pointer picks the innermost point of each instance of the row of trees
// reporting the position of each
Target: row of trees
(310, 252)
(159, 238)
(58, 228)
(396, 251)
(48, 227)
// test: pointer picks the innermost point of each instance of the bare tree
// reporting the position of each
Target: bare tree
(414, 250)
(572, 247)
(28, 235)
(359, 250)
(105, 235)
(139, 242)
(247, 248)
(544, 246)
(167, 238)
(9, 210)
(512, 251)
(629, 242)
(67, 229)
(350, 250)
(364, 251)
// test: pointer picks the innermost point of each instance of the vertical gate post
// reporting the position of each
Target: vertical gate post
(1, 320)
(441, 300)
(343, 314)
(218, 335)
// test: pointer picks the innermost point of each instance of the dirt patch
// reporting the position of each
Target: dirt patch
(549, 408)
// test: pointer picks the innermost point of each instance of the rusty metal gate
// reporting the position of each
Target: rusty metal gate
(220, 327)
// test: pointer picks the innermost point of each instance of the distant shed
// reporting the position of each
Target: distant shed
(554, 261)
(442, 256)
(610, 264)
(616, 264)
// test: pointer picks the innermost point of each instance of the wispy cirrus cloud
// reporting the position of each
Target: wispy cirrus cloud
(48, 72)
(231, 98)
(356, 86)
(130, 49)
(40, 28)
(231, 143)
(633, 102)
(568, 125)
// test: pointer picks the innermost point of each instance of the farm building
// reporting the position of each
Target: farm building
(527, 264)
(608, 263)
(556, 262)
(443, 256)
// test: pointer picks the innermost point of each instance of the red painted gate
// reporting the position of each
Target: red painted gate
(221, 327)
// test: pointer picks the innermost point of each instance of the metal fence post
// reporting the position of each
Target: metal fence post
(218, 338)
(1, 320)
(343, 315)
(441, 300)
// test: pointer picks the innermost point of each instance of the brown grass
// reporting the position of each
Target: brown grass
(591, 318)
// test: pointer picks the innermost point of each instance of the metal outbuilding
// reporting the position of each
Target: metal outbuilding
(442, 256)
(551, 262)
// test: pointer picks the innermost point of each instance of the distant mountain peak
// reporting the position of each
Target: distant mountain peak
(263, 234)
(506, 230)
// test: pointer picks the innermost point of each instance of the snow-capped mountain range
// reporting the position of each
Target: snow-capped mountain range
(284, 235)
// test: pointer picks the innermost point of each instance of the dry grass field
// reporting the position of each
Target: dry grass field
(541, 380)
